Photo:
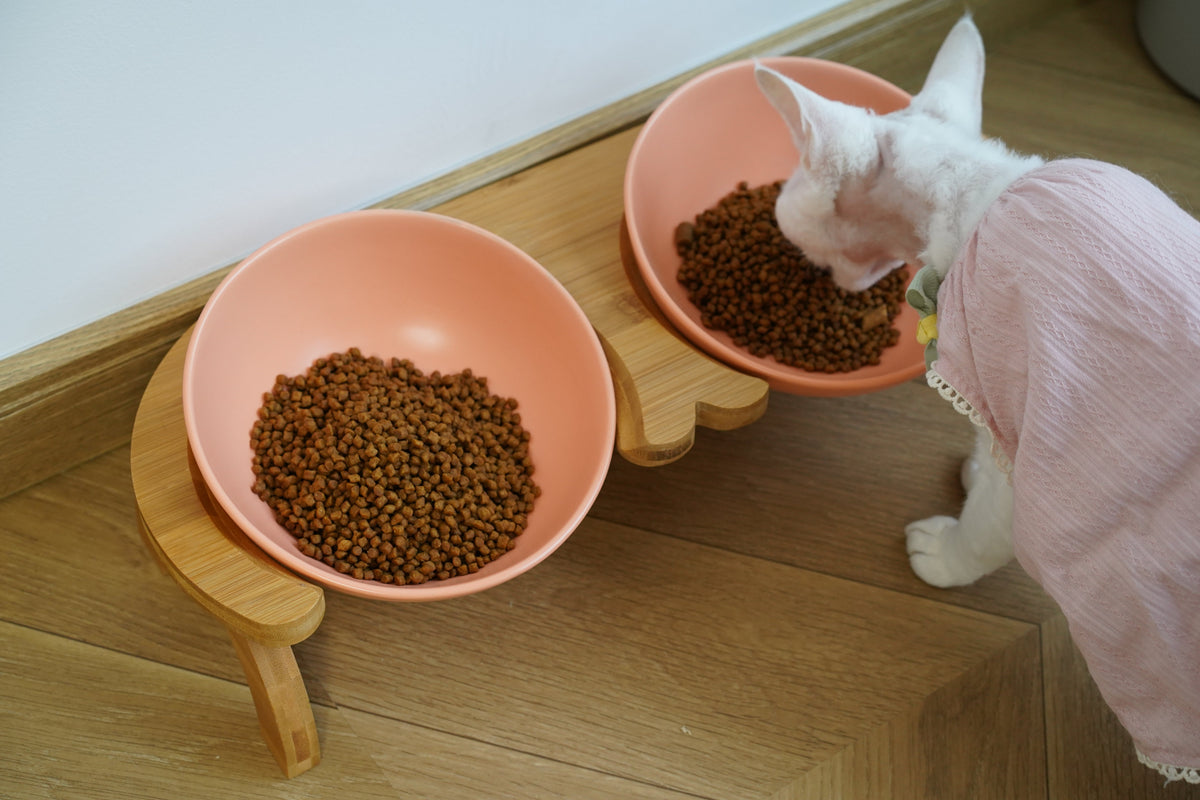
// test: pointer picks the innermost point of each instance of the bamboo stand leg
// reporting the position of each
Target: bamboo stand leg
(265, 608)
(284, 713)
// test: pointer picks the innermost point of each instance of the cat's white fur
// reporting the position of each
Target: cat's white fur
(874, 191)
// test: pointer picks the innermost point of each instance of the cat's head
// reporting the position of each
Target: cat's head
(862, 196)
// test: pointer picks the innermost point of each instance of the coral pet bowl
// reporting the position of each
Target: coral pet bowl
(410, 285)
(712, 133)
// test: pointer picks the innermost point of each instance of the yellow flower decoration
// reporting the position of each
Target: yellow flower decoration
(927, 329)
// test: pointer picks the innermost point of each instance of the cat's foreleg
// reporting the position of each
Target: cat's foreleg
(945, 551)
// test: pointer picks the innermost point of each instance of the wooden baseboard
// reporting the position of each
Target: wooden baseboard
(74, 397)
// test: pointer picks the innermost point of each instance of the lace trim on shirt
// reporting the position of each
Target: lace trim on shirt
(964, 407)
(1187, 774)
(951, 395)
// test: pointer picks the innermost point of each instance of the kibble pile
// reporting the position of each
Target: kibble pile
(387, 474)
(749, 281)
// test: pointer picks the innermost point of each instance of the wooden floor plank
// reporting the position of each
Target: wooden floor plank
(791, 486)
(656, 659)
(1082, 84)
(792, 677)
(1100, 40)
(77, 567)
(79, 721)
(985, 718)
(1156, 141)
(423, 762)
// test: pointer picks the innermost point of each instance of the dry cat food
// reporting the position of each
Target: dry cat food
(387, 474)
(749, 281)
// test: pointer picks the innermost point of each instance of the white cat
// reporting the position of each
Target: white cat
(1062, 308)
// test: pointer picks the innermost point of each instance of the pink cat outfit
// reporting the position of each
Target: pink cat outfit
(1070, 327)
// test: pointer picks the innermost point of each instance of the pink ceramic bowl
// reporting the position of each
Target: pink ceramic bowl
(438, 291)
(712, 133)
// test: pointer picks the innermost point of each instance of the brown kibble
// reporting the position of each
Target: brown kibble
(685, 234)
(400, 467)
(874, 318)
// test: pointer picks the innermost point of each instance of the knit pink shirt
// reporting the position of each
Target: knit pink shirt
(1070, 324)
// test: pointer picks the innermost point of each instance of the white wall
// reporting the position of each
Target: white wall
(145, 143)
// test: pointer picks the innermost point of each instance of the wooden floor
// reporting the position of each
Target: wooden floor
(739, 624)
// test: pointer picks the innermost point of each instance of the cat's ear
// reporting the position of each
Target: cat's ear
(953, 90)
(829, 135)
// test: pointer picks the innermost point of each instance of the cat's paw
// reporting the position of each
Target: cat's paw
(933, 554)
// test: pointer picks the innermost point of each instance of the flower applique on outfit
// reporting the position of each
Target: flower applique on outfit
(1069, 327)
(922, 295)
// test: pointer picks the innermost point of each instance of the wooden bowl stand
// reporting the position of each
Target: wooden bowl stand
(664, 389)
